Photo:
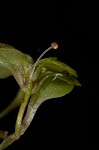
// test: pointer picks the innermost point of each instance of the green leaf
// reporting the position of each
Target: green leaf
(13, 62)
(12, 57)
(69, 79)
(3, 45)
(53, 88)
(57, 66)
(51, 64)
(4, 72)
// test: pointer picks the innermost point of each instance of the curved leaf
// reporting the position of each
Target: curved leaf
(13, 62)
(51, 64)
(12, 56)
(54, 88)
(3, 45)
(68, 78)
(55, 65)
(4, 72)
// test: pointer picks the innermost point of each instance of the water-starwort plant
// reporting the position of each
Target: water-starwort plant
(44, 79)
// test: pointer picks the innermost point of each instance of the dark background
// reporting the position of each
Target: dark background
(67, 122)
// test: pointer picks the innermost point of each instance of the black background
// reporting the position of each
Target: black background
(67, 122)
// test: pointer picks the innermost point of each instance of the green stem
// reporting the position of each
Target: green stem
(31, 110)
(14, 104)
(21, 113)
